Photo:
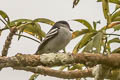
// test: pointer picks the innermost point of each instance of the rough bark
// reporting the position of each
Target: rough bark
(34, 63)
(8, 41)
(58, 73)
(59, 59)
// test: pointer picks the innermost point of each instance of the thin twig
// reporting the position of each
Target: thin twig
(28, 37)
(4, 22)
(105, 45)
(112, 34)
(58, 73)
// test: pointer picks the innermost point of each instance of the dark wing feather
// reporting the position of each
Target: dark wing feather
(51, 34)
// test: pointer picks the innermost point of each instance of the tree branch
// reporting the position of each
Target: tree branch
(8, 41)
(32, 63)
(58, 73)
(59, 59)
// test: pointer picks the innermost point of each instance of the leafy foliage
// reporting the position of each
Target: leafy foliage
(86, 38)
(94, 40)
(28, 26)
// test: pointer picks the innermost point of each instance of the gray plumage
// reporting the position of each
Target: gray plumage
(56, 39)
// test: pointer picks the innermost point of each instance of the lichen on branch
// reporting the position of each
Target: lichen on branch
(59, 59)
(8, 41)
(41, 63)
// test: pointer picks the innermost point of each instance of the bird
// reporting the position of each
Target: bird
(56, 39)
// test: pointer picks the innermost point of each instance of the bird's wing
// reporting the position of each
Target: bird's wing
(51, 34)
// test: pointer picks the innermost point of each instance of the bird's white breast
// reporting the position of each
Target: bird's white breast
(59, 41)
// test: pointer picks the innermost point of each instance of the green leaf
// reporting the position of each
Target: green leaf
(34, 76)
(105, 6)
(77, 66)
(95, 44)
(33, 29)
(116, 16)
(79, 33)
(84, 22)
(112, 1)
(19, 22)
(4, 16)
(44, 20)
(116, 27)
(28, 26)
(114, 40)
(117, 6)
(95, 24)
(86, 38)
(116, 50)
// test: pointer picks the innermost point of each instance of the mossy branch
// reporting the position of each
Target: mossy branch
(8, 41)
(40, 63)
(60, 59)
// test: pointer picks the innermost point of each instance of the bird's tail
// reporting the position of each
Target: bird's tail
(36, 53)
(39, 52)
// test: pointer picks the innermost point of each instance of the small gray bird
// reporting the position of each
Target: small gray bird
(56, 39)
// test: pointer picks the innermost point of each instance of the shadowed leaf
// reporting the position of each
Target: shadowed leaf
(33, 29)
(95, 44)
(86, 38)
